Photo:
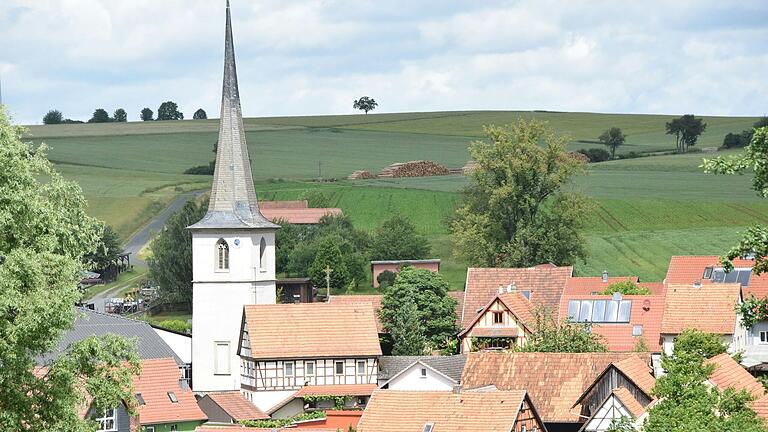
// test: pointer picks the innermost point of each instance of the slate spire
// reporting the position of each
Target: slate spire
(233, 201)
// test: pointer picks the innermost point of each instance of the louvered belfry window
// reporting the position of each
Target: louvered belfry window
(222, 255)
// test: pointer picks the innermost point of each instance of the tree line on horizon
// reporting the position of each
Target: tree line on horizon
(168, 110)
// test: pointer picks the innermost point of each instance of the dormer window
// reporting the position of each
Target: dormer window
(222, 255)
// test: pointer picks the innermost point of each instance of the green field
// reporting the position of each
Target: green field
(646, 209)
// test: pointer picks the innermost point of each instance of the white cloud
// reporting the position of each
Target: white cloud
(315, 57)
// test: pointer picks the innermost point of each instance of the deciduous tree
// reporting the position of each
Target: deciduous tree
(552, 335)
(613, 138)
(329, 255)
(200, 115)
(107, 250)
(406, 330)
(171, 261)
(365, 103)
(687, 130)
(120, 115)
(397, 239)
(52, 117)
(429, 292)
(147, 114)
(169, 111)
(45, 233)
(516, 212)
(754, 159)
(100, 115)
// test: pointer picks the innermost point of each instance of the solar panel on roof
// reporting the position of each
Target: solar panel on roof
(744, 276)
(598, 311)
(573, 310)
(585, 315)
(611, 311)
(624, 309)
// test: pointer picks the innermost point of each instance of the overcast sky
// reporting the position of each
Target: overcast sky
(299, 57)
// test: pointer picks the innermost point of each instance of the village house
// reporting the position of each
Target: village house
(229, 407)
(710, 309)
(295, 212)
(394, 266)
(426, 411)
(504, 323)
(433, 373)
(282, 353)
(555, 382)
(708, 271)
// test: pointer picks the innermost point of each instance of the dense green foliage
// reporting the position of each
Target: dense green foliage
(147, 114)
(277, 423)
(397, 239)
(171, 260)
(595, 154)
(100, 115)
(695, 342)
(753, 310)
(687, 404)
(202, 169)
(687, 130)
(755, 159)
(169, 111)
(552, 335)
(52, 117)
(120, 116)
(44, 236)
(107, 250)
(428, 292)
(626, 287)
(516, 211)
(328, 256)
(200, 115)
(365, 103)
(406, 330)
(176, 325)
(386, 278)
(612, 138)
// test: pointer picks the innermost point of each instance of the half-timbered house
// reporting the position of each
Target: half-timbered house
(285, 347)
(504, 323)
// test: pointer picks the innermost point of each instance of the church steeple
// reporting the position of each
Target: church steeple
(233, 201)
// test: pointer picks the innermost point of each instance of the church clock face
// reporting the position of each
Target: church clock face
(237, 242)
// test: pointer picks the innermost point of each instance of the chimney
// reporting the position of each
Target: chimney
(697, 283)
(501, 289)
(605, 276)
(183, 384)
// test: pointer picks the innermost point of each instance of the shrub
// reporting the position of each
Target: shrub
(202, 169)
(626, 287)
(386, 278)
(596, 154)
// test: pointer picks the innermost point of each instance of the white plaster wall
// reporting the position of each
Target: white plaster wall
(411, 379)
(180, 344)
(218, 298)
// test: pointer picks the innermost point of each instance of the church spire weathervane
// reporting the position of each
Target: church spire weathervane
(233, 201)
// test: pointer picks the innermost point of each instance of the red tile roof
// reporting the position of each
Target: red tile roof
(761, 407)
(708, 308)
(629, 401)
(336, 390)
(374, 299)
(236, 406)
(685, 270)
(297, 204)
(647, 311)
(546, 284)
(312, 330)
(300, 215)
(409, 411)
(515, 303)
(157, 378)
(638, 371)
(554, 381)
(728, 373)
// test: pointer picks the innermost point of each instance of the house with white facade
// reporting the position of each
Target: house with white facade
(710, 309)
(233, 248)
(432, 373)
(285, 348)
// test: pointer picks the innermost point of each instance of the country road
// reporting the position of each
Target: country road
(137, 242)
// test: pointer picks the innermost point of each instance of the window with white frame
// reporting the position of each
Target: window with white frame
(309, 368)
(339, 368)
(221, 358)
(361, 367)
(108, 422)
(222, 255)
(423, 372)
(764, 337)
(288, 368)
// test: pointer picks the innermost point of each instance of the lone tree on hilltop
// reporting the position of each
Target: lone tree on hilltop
(612, 138)
(515, 212)
(169, 111)
(52, 117)
(147, 115)
(120, 115)
(687, 130)
(200, 115)
(100, 115)
(366, 104)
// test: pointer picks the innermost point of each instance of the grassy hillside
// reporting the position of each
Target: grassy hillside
(646, 209)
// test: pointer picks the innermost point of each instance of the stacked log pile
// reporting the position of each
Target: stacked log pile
(421, 168)
(360, 175)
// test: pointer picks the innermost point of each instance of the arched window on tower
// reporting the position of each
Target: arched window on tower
(262, 253)
(222, 255)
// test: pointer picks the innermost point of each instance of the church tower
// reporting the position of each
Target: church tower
(233, 248)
